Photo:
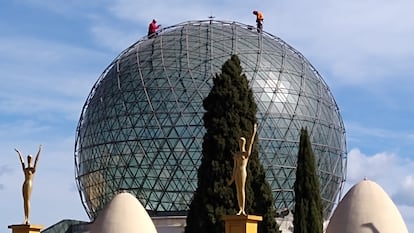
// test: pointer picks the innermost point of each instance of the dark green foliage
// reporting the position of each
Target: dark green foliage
(308, 216)
(230, 114)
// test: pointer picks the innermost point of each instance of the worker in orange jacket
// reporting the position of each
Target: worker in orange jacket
(259, 20)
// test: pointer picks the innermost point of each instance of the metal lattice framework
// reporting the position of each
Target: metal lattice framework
(141, 127)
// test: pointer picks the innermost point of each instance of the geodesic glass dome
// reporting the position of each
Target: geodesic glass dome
(141, 127)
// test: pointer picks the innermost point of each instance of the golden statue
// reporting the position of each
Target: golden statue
(240, 159)
(29, 172)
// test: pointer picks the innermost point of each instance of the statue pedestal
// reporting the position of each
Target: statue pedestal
(241, 223)
(26, 228)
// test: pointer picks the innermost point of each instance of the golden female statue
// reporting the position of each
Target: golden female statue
(240, 170)
(29, 172)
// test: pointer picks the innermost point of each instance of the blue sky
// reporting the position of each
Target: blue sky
(52, 52)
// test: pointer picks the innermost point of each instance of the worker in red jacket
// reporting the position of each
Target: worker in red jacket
(152, 29)
(259, 20)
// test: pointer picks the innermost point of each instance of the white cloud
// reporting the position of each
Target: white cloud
(68, 9)
(170, 12)
(45, 77)
(361, 166)
(4, 169)
(362, 41)
(391, 171)
(405, 193)
(116, 39)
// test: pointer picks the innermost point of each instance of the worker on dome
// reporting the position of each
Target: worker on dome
(259, 20)
(152, 29)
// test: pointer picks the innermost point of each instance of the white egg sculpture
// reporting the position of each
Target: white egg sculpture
(123, 214)
(366, 208)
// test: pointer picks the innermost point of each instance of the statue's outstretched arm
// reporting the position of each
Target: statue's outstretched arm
(37, 156)
(252, 140)
(20, 157)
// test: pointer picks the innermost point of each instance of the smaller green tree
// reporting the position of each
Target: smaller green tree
(308, 217)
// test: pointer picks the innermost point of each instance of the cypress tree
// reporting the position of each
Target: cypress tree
(307, 217)
(230, 114)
